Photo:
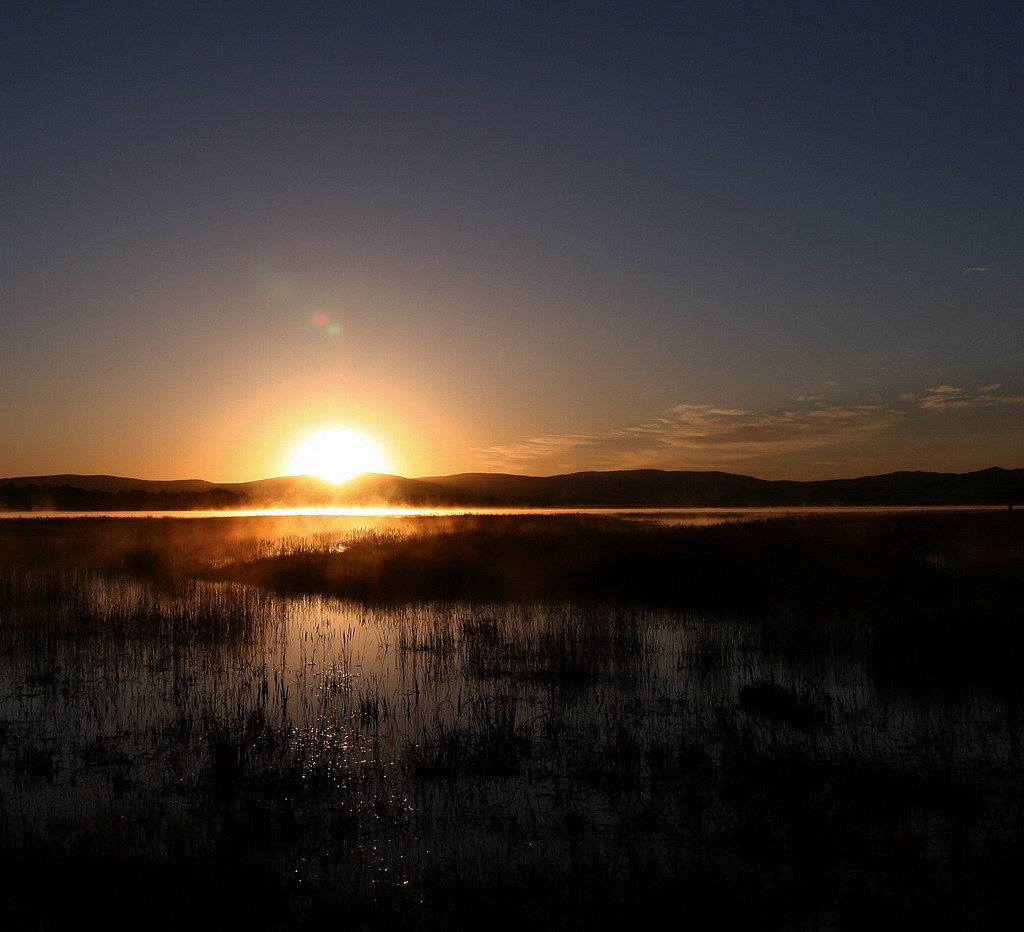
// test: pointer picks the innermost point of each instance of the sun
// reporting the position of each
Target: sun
(337, 455)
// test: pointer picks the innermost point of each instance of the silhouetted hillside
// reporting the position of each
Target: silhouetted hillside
(637, 488)
(628, 488)
(655, 488)
(32, 497)
(113, 483)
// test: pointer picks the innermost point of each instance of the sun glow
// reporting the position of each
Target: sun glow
(337, 455)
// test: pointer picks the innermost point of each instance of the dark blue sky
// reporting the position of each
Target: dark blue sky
(775, 238)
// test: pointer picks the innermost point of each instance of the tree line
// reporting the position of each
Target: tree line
(67, 498)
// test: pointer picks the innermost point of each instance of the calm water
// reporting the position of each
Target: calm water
(681, 516)
(420, 722)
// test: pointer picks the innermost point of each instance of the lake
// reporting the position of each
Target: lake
(664, 515)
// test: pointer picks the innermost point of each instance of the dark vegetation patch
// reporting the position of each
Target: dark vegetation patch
(68, 498)
(924, 560)
(779, 704)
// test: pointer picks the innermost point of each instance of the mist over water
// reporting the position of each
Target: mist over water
(682, 516)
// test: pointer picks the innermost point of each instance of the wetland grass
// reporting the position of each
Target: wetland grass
(559, 722)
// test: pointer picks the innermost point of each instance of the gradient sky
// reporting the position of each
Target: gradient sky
(780, 239)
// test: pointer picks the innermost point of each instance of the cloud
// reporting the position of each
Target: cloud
(697, 433)
(948, 397)
(550, 446)
(704, 436)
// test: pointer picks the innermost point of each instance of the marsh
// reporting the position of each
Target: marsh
(797, 722)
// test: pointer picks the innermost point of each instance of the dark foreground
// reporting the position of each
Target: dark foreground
(807, 723)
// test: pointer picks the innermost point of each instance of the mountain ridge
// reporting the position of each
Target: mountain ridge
(636, 488)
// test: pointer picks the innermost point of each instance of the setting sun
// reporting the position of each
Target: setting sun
(337, 455)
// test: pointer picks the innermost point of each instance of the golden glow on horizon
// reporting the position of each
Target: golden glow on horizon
(337, 455)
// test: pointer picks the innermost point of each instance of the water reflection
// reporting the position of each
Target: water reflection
(682, 516)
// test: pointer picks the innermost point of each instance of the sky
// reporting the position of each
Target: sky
(782, 239)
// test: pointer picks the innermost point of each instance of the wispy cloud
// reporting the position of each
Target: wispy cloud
(948, 397)
(697, 435)
(703, 436)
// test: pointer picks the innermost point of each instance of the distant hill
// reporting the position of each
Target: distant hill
(636, 488)
(111, 483)
(655, 488)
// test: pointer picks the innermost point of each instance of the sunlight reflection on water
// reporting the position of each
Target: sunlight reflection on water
(682, 516)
